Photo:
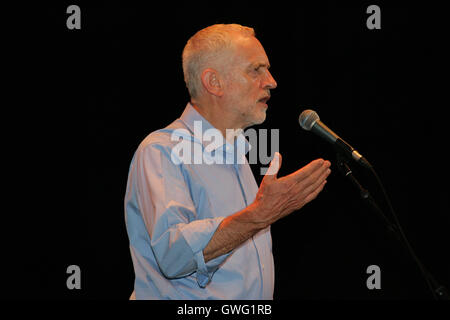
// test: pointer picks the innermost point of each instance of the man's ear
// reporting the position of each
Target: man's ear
(211, 81)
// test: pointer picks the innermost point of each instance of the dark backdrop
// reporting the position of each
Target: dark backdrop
(95, 93)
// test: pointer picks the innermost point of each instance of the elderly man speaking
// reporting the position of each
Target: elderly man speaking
(201, 229)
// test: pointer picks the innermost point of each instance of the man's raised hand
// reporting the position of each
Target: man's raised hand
(278, 197)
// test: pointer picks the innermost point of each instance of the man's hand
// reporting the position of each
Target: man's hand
(278, 197)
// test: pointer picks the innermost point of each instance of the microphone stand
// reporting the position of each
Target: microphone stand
(439, 291)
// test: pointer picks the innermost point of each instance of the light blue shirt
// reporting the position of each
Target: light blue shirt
(173, 208)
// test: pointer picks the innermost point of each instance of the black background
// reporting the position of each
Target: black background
(86, 99)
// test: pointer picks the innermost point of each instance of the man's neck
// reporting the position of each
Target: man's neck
(218, 119)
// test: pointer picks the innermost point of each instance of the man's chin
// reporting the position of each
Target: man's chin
(260, 118)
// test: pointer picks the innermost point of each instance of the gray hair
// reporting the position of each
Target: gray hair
(204, 47)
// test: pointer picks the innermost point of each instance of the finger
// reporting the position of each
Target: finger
(316, 167)
(315, 182)
(318, 175)
(315, 177)
(274, 167)
(315, 193)
(307, 170)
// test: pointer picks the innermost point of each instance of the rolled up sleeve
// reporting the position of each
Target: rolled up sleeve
(177, 235)
(198, 234)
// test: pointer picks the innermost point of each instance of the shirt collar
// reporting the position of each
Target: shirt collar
(189, 117)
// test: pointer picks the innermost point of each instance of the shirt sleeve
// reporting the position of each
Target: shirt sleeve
(177, 236)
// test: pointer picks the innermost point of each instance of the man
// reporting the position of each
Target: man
(199, 229)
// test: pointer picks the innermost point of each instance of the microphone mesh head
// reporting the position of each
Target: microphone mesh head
(307, 119)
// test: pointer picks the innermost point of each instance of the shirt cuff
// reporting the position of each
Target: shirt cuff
(198, 234)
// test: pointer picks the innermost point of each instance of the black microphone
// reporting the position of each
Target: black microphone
(310, 121)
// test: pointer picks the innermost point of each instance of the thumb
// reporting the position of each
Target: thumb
(274, 167)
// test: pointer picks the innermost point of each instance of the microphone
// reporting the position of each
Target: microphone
(310, 121)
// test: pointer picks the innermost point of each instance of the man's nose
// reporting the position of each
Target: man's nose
(269, 81)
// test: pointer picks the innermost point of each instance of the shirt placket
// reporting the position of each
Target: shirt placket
(259, 247)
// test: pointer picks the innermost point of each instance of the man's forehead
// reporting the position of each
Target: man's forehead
(249, 49)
